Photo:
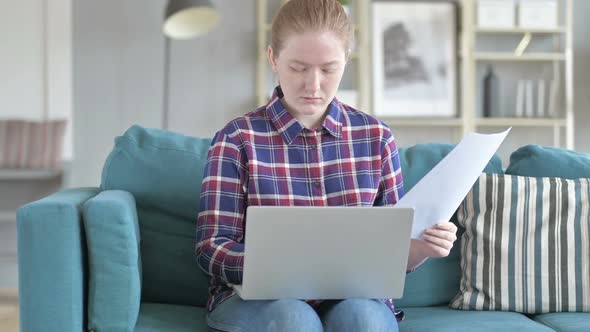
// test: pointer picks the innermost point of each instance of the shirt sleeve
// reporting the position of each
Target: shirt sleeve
(391, 185)
(220, 224)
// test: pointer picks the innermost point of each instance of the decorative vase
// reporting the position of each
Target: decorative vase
(491, 96)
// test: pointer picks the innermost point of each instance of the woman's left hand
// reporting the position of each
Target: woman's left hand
(438, 239)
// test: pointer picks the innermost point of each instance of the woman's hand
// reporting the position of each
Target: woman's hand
(438, 239)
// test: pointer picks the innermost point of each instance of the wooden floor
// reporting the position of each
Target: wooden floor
(8, 310)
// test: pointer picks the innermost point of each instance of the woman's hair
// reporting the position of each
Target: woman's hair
(300, 16)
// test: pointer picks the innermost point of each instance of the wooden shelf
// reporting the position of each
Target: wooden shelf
(504, 56)
(558, 30)
(29, 174)
(422, 122)
(520, 122)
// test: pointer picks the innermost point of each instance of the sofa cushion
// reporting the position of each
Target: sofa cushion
(565, 321)
(433, 283)
(539, 161)
(155, 317)
(437, 280)
(526, 246)
(443, 319)
(163, 171)
(171, 273)
(114, 283)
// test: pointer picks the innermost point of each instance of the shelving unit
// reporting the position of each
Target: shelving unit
(560, 59)
(469, 58)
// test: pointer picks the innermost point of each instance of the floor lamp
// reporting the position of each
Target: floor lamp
(184, 19)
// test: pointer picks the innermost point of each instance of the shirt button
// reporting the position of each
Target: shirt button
(313, 147)
(317, 184)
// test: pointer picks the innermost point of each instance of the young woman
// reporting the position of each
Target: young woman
(303, 148)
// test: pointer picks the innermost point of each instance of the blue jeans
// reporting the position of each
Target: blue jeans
(355, 315)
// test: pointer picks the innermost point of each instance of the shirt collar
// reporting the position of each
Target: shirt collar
(289, 127)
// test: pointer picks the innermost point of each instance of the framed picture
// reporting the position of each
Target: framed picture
(415, 59)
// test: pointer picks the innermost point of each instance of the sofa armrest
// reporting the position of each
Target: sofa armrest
(114, 283)
(52, 262)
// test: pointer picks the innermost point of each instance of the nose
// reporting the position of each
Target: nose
(313, 80)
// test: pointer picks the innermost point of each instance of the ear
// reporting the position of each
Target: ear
(271, 59)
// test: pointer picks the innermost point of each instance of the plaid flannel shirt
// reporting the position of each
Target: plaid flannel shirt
(267, 157)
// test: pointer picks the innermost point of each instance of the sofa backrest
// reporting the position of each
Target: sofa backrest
(163, 170)
(436, 282)
(541, 161)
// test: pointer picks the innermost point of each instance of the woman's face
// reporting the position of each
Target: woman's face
(309, 67)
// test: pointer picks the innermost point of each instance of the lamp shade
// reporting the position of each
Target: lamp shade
(189, 18)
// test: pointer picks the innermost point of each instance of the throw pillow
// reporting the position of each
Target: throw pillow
(526, 245)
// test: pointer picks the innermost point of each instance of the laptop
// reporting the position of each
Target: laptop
(325, 252)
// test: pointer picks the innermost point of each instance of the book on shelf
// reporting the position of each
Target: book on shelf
(553, 98)
(541, 98)
(529, 106)
(519, 99)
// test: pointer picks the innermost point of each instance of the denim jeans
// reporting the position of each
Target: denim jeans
(354, 315)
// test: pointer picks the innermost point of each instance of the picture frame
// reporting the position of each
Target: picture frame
(414, 59)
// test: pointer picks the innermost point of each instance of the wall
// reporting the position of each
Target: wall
(119, 70)
(36, 61)
(21, 59)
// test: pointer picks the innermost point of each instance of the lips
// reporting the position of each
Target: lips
(311, 100)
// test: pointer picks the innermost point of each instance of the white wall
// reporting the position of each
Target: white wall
(118, 55)
(118, 75)
(582, 74)
(59, 67)
(36, 61)
(21, 59)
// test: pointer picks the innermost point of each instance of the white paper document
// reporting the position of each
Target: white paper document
(438, 194)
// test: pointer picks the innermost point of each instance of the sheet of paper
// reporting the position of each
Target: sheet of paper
(438, 194)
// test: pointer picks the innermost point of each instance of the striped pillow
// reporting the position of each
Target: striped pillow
(526, 245)
(31, 144)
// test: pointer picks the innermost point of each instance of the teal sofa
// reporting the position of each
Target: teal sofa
(120, 257)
